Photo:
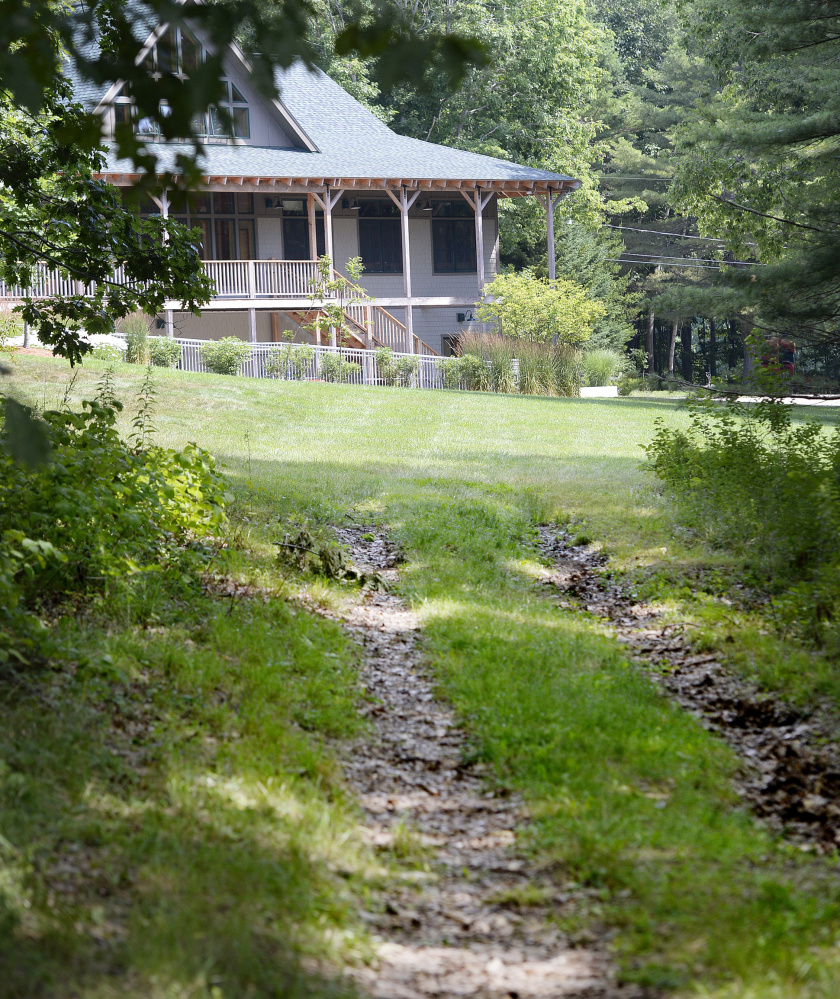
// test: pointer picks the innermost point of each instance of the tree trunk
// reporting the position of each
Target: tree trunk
(685, 351)
(712, 348)
(672, 346)
(734, 339)
(746, 326)
(649, 341)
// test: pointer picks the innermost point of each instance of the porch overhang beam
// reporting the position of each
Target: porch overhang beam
(296, 184)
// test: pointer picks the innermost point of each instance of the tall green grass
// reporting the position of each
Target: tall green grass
(632, 809)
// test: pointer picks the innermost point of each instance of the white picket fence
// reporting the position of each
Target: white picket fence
(349, 365)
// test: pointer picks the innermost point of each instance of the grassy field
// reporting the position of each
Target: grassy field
(629, 796)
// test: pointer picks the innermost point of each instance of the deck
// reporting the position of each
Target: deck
(284, 285)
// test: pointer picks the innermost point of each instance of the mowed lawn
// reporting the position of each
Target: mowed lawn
(631, 800)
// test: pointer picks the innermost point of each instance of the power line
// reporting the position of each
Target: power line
(674, 235)
(661, 258)
(662, 263)
(657, 232)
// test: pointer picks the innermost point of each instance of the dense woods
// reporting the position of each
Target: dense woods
(704, 135)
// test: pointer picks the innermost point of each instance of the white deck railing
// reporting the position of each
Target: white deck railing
(266, 360)
(248, 281)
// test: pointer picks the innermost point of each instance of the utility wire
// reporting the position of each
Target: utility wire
(705, 260)
(674, 235)
(651, 258)
(660, 263)
(657, 232)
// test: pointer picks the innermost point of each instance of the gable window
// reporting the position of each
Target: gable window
(177, 53)
(380, 240)
(230, 117)
(453, 238)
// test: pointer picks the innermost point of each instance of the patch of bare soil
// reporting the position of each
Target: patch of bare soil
(457, 930)
(790, 772)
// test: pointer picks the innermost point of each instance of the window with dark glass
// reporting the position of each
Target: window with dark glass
(453, 238)
(380, 239)
(296, 243)
(231, 117)
(225, 219)
(223, 203)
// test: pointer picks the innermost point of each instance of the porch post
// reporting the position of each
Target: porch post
(404, 203)
(252, 325)
(478, 203)
(313, 231)
(163, 204)
(328, 201)
(550, 201)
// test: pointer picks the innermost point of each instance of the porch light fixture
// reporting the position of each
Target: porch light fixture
(273, 203)
(427, 206)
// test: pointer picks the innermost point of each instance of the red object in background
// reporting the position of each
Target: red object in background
(782, 351)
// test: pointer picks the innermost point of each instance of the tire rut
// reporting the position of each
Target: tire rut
(790, 773)
(449, 933)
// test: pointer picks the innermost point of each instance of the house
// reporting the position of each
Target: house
(314, 172)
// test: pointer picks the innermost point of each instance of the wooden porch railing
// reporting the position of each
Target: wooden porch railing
(251, 281)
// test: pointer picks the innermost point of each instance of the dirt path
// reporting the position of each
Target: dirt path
(454, 932)
(790, 771)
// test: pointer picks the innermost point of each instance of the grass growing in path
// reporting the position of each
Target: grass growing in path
(630, 797)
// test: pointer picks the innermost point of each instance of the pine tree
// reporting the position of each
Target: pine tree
(759, 158)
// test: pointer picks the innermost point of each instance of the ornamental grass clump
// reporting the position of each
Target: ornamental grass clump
(602, 366)
(544, 368)
(225, 356)
(135, 329)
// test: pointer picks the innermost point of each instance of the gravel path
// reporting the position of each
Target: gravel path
(454, 932)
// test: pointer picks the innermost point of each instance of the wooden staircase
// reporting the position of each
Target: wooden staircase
(354, 336)
(368, 325)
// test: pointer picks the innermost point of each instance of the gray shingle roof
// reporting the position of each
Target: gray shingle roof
(351, 142)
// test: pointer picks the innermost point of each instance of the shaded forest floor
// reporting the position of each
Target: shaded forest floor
(176, 820)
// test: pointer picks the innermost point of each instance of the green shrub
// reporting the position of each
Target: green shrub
(451, 371)
(9, 327)
(749, 479)
(164, 352)
(106, 352)
(475, 374)
(630, 384)
(289, 362)
(405, 369)
(602, 367)
(386, 365)
(335, 368)
(225, 356)
(100, 512)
